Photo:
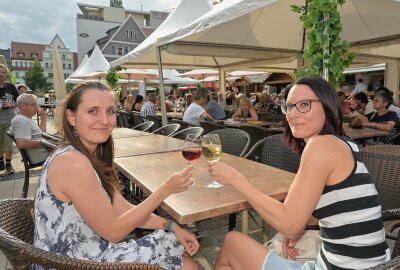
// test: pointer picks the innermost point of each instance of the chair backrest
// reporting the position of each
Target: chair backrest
(120, 120)
(233, 141)
(25, 158)
(167, 130)
(137, 118)
(275, 153)
(256, 133)
(16, 238)
(383, 164)
(395, 139)
(157, 121)
(209, 126)
(146, 126)
(48, 145)
(182, 123)
(127, 118)
(197, 131)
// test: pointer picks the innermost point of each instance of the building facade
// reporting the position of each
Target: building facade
(108, 26)
(7, 55)
(23, 54)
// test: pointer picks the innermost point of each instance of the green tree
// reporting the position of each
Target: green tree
(11, 77)
(112, 79)
(324, 50)
(35, 78)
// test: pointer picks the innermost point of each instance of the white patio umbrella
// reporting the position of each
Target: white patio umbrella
(137, 74)
(59, 87)
(199, 74)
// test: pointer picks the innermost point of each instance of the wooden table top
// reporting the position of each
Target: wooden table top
(200, 202)
(364, 133)
(172, 115)
(119, 133)
(143, 145)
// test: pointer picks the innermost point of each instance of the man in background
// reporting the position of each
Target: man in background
(360, 87)
(8, 94)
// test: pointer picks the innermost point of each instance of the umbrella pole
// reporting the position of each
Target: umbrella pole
(161, 78)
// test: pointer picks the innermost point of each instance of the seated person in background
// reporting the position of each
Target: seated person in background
(360, 87)
(221, 100)
(195, 112)
(139, 102)
(128, 103)
(264, 104)
(246, 111)
(79, 210)
(215, 110)
(149, 107)
(22, 89)
(331, 184)
(392, 107)
(230, 107)
(363, 105)
(26, 131)
(345, 104)
(382, 119)
(171, 102)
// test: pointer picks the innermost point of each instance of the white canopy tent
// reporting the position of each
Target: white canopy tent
(267, 35)
(96, 63)
(173, 78)
(77, 70)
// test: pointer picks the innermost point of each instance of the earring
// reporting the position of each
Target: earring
(75, 133)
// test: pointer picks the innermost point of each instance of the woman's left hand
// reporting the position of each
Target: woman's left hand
(187, 239)
(223, 173)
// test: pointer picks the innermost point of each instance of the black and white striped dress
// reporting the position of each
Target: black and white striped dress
(351, 221)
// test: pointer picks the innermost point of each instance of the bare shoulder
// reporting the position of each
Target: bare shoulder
(324, 148)
(69, 163)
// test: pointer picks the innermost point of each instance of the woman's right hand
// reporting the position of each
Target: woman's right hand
(288, 248)
(179, 181)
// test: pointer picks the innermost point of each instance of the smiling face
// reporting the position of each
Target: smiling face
(94, 119)
(3, 74)
(307, 124)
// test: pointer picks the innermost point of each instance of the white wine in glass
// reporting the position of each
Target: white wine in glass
(211, 150)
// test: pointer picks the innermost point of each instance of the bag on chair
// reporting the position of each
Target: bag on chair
(309, 245)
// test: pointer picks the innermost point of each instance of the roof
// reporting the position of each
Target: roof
(28, 49)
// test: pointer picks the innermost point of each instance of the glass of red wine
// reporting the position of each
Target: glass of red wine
(191, 149)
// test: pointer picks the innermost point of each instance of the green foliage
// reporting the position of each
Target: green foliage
(336, 55)
(40, 92)
(69, 87)
(11, 77)
(112, 79)
(199, 85)
(35, 79)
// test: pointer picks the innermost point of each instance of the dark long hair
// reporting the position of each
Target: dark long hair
(102, 159)
(332, 109)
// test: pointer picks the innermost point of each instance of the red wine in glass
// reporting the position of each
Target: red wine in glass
(191, 154)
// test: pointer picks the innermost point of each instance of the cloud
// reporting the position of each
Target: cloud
(40, 20)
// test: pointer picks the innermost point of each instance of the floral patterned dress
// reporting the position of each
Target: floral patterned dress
(60, 229)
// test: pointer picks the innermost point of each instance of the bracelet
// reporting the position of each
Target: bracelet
(169, 226)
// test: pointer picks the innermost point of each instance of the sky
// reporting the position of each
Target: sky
(38, 21)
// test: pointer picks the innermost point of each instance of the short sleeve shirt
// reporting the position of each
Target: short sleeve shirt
(215, 110)
(8, 93)
(23, 127)
(387, 117)
(193, 113)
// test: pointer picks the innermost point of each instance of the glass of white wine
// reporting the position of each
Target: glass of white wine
(211, 150)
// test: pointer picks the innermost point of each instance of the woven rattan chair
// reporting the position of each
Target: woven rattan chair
(256, 133)
(146, 126)
(275, 153)
(127, 118)
(182, 123)
(383, 164)
(209, 126)
(157, 122)
(394, 139)
(50, 146)
(197, 131)
(28, 164)
(137, 118)
(16, 237)
(167, 130)
(233, 141)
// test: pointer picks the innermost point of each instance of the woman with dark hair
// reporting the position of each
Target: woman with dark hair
(332, 185)
(139, 101)
(362, 104)
(79, 211)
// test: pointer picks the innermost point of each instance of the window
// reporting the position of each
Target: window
(113, 50)
(16, 63)
(69, 66)
(50, 75)
(21, 54)
(131, 34)
(126, 50)
(63, 56)
(17, 74)
(127, 33)
(25, 64)
(119, 51)
(135, 34)
(34, 55)
(47, 65)
(63, 66)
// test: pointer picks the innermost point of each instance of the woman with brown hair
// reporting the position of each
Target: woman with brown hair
(79, 211)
